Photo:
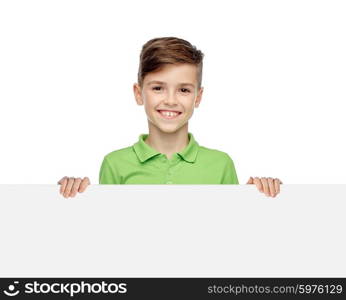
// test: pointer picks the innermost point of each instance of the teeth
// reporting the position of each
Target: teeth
(169, 113)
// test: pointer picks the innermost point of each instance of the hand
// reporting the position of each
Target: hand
(268, 185)
(70, 186)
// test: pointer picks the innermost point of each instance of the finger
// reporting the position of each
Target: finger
(250, 181)
(265, 186)
(271, 186)
(63, 184)
(258, 183)
(75, 187)
(277, 185)
(61, 180)
(84, 184)
(69, 187)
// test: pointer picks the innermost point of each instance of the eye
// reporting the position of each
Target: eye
(184, 90)
(156, 88)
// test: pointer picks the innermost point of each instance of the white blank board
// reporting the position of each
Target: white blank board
(173, 231)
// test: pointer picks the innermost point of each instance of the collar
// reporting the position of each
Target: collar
(144, 151)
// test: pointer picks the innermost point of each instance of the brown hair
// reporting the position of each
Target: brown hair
(158, 52)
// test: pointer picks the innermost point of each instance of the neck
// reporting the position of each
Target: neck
(167, 143)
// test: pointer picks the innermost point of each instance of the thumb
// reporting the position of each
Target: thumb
(250, 181)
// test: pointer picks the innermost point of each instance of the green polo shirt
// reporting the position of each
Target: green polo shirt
(141, 164)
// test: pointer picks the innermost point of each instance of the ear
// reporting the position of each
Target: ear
(199, 97)
(138, 93)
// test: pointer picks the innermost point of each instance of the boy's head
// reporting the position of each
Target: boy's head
(169, 81)
(159, 52)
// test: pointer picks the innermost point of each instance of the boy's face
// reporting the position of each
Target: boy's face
(169, 96)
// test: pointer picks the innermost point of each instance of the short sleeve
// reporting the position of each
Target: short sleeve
(229, 174)
(108, 174)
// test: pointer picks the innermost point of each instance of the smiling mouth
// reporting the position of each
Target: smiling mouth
(169, 114)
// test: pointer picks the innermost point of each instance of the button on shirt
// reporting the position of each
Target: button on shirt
(141, 164)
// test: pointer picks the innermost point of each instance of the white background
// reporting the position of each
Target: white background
(274, 79)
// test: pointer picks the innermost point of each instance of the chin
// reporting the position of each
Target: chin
(166, 127)
(169, 129)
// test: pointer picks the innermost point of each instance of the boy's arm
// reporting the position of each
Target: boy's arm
(108, 173)
(230, 174)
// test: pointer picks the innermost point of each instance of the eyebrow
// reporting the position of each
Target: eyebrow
(161, 82)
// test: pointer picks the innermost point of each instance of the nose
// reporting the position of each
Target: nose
(170, 99)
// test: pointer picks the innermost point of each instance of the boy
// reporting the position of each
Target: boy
(169, 87)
